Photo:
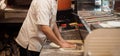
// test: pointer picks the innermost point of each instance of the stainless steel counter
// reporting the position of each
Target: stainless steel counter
(70, 36)
(48, 50)
(13, 15)
(88, 18)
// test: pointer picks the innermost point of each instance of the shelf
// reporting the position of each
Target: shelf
(84, 5)
(14, 15)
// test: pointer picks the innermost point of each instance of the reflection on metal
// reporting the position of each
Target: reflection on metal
(2, 4)
(85, 24)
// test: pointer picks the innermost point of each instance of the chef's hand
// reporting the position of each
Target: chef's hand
(67, 45)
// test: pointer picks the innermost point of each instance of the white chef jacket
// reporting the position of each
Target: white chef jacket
(41, 12)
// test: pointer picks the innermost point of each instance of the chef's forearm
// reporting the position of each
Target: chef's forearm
(57, 32)
(50, 34)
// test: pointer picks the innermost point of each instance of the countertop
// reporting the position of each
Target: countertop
(48, 50)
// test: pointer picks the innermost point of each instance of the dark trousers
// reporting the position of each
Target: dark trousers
(26, 52)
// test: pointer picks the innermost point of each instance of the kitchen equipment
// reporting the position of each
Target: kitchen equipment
(22, 2)
(64, 4)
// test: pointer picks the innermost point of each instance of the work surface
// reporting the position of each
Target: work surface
(49, 50)
(71, 36)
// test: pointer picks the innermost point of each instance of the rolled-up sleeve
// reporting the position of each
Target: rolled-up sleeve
(43, 12)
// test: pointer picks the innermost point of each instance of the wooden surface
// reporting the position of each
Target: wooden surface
(103, 42)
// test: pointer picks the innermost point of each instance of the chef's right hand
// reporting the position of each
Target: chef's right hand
(67, 45)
